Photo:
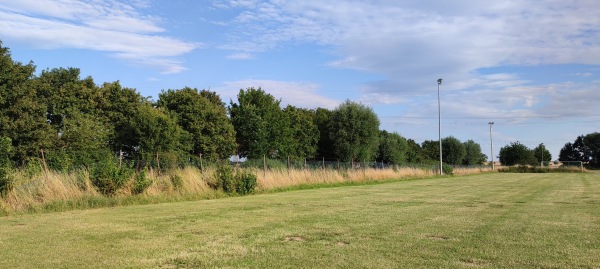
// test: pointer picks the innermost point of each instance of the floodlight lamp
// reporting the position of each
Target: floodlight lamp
(439, 81)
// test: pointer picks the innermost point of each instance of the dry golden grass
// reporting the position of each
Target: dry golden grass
(281, 178)
(40, 189)
(471, 170)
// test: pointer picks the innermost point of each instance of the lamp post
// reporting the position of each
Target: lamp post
(542, 149)
(439, 81)
(491, 123)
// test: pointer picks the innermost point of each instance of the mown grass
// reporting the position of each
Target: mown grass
(477, 221)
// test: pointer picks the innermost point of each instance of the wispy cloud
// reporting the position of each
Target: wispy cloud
(412, 43)
(116, 27)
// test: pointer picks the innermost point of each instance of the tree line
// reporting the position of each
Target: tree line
(72, 122)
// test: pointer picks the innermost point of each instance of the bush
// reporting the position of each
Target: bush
(177, 181)
(447, 169)
(140, 183)
(5, 156)
(242, 182)
(246, 182)
(108, 177)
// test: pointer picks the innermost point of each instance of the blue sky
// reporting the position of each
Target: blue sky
(531, 67)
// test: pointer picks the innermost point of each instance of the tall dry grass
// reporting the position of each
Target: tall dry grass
(38, 190)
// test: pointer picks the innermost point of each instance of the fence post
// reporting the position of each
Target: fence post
(288, 165)
(323, 163)
(264, 165)
(45, 165)
(120, 158)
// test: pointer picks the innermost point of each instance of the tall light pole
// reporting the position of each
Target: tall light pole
(491, 144)
(542, 149)
(439, 81)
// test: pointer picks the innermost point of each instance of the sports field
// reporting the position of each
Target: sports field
(481, 221)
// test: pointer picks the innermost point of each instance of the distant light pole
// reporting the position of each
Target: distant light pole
(491, 123)
(542, 149)
(439, 81)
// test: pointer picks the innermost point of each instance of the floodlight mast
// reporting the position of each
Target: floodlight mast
(491, 123)
(439, 81)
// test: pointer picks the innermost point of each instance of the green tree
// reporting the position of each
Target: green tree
(542, 154)
(22, 115)
(392, 148)
(204, 117)
(516, 153)
(453, 151)
(260, 125)
(432, 149)
(415, 153)
(303, 133)
(322, 120)
(156, 131)
(473, 154)
(117, 106)
(355, 132)
(592, 142)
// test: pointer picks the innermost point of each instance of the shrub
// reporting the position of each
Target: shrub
(108, 177)
(140, 183)
(246, 182)
(177, 181)
(447, 169)
(5, 156)
(241, 182)
(226, 178)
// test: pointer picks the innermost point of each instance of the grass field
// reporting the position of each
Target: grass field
(480, 221)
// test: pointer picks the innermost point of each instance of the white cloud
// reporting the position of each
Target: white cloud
(412, 43)
(105, 25)
(299, 94)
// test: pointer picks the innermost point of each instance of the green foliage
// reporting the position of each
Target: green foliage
(140, 182)
(156, 131)
(303, 134)
(447, 169)
(260, 125)
(542, 154)
(242, 182)
(108, 177)
(204, 117)
(5, 163)
(354, 132)
(537, 169)
(322, 120)
(473, 154)
(226, 178)
(392, 148)
(246, 182)
(516, 153)
(585, 149)
(415, 153)
(453, 151)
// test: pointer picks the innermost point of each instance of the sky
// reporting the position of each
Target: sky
(531, 67)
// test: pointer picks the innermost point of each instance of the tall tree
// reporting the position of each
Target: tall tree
(453, 151)
(355, 132)
(155, 131)
(542, 154)
(392, 148)
(432, 149)
(303, 132)
(473, 154)
(117, 106)
(260, 125)
(22, 115)
(415, 153)
(204, 117)
(322, 120)
(516, 153)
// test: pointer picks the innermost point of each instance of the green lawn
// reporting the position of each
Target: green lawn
(483, 221)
